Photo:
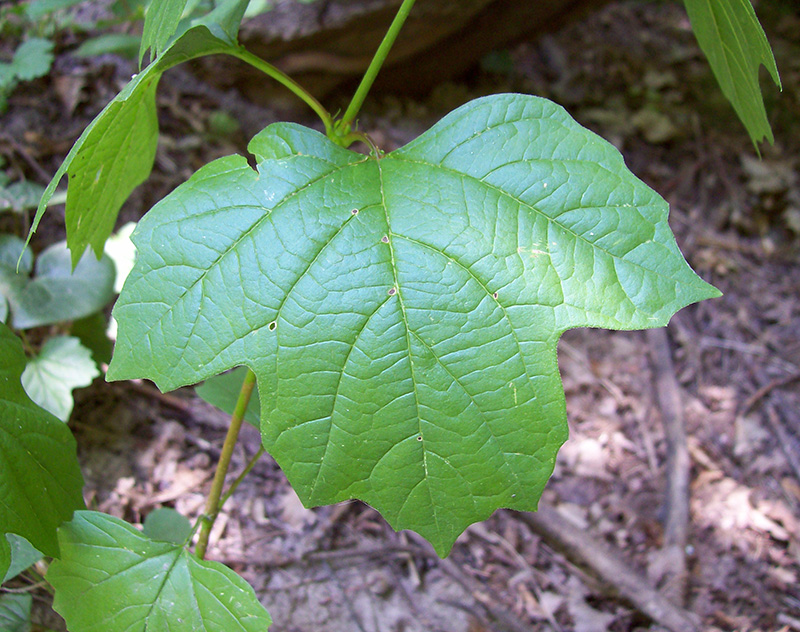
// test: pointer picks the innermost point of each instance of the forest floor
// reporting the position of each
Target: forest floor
(633, 73)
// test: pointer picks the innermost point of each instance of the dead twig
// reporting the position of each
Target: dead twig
(668, 567)
(603, 562)
(766, 390)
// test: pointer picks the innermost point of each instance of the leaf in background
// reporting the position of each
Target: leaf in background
(402, 313)
(115, 153)
(222, 391)
(32, 59)
(120, 44)
(15, 612)
(62, 365)
(160, 23)
(55, 293)
(37, 9)
(38, 464)
(20, 196)
(23, 556)
(92, 331)
(5, 557)
(167, 525)
(732, 39)
(113, 578)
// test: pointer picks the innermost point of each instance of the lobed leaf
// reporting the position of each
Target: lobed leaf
(61, 366)
(111, 577)
(732, 39)
(41, 480)
(402, 313)
(116, 151)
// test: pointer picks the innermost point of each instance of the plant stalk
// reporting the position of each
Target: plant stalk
(281, 77)
(376, 63)
(213, 501)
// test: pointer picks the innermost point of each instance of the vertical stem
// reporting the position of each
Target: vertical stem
(376, 63)
(213, 500)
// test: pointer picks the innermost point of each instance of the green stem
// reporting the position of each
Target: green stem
(376, 63)
(213, 501)
(270, 70)
(241, 476)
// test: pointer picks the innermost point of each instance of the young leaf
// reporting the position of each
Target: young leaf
(402, 313)
(160, 23)
(113, 578)
(222, 391)
(732, 39)
(56, 292)
(38, 464)
(62, 365)
(116, 152)
(15, 612)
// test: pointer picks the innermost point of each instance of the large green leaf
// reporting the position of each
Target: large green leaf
(61, 366)
(55, 292)
(402, 313)
(732, 39)
(41, 480)
(116, 152)
(111, 577)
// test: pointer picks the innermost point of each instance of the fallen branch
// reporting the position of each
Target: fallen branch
(668, 566)
(600, 560)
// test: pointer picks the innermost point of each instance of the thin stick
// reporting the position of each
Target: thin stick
(213, 502)
(241, 476)
(669, 565)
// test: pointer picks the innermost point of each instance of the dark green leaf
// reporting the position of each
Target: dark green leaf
(111, 577)
(222, 391)
(167, 525)
(38, 465)
(732, 39)
(55, 293)
(92, 332)
(402, 313)
(115, 153)
(15, 613)
(61, 366)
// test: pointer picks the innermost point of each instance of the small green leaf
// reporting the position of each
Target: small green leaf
(113, 578)
(38, 464)
(23, 556)
(32, 59)
(20, 196)
(55, 293)
(15, 612)
(402, 313)
(222, 391)
(167, 525)
(160, 23)
(37, 9)
(732, 39)
(116, 152)
(62, 365)
(92, 331)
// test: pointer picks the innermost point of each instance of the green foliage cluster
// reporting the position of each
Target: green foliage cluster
(399, 313)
